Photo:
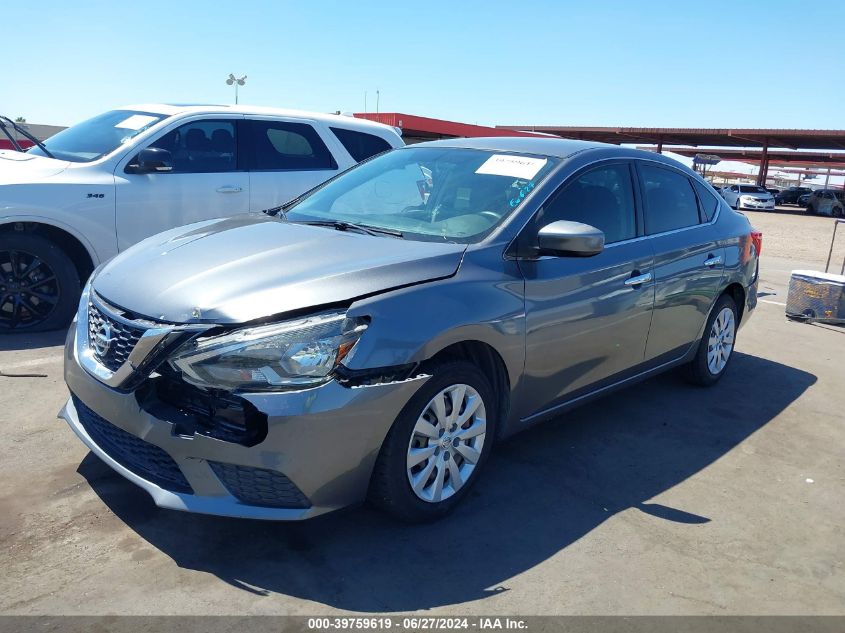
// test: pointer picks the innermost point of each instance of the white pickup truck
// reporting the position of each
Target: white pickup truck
(98, 187)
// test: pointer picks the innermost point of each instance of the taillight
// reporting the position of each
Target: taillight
(757, 240)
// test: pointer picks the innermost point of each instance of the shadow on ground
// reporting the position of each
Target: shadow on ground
(34, 340)
(542, 490)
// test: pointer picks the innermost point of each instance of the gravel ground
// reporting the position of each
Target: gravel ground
(663, 499)
(791, 234)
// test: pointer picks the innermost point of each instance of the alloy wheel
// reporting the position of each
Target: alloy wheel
(29, 290)
(721, 341)
(446, 443)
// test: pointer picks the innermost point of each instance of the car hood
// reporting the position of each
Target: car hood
(756, 195)
(22, 167)
(253, 266)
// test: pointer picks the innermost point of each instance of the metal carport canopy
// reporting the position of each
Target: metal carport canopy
(697, 137)
(773, 156)
(712, 137)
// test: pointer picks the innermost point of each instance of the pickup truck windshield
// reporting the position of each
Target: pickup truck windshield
(428, 193)
(99, 136)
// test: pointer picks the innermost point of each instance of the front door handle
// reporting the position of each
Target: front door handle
(638, 280)
(229, 189)
(713, 260)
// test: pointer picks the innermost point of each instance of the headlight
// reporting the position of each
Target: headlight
(268, 357)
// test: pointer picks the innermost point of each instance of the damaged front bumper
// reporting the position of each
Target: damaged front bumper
(305, 452)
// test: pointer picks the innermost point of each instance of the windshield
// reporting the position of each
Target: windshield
(429, 193)
(99, 136)
(752, 189)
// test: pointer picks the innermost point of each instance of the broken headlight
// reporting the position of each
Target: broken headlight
(301, 352)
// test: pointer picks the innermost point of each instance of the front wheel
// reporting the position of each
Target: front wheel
(437, 446)
(716, 347)
(39, 284)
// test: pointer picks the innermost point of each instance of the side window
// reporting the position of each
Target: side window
(201, 147)
(360, 145)
(602, 197)
(282, 145)
(734, 188)
(709, 202)
(669, 200)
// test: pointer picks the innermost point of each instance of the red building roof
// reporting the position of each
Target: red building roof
(424, 128)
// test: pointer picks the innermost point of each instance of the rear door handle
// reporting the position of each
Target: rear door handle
(638, 280)
(713, 260)
(229, 189)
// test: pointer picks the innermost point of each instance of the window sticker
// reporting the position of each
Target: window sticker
(523, 191)
(524, 167)
(136, 122)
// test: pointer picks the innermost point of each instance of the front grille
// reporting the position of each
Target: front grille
(259, 486)
(146, 460)
(122, 337)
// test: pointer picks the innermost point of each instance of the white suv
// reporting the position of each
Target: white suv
(98, 187)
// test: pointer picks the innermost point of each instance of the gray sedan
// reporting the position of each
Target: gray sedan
(375, 338)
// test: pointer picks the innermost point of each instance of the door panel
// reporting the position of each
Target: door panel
(685, 288)
(205, 182)
(584, 322)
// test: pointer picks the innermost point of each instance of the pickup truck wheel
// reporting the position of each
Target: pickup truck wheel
(437, 445)
(39, 284)
(716, 347)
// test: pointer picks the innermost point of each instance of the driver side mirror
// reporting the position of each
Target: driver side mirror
(152, 160)
(570, 239)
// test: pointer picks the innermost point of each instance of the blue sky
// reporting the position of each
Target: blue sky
(682, 63)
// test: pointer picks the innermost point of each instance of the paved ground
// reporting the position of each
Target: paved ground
(661, 499)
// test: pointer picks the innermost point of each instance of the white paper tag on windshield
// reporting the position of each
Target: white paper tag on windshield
(136, 121)
(512, 166)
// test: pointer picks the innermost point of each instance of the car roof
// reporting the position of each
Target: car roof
(171, 109)
(554, 147)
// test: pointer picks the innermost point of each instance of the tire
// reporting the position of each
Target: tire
(44, 293)
(390, 486)
(709, 366)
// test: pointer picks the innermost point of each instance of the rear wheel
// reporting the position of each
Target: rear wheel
(39, 284)
(716, 347)
(437, 446)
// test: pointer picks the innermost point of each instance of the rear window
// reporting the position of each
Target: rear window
(282, 145)
(709, 202)
(359, 144)
(670, 200)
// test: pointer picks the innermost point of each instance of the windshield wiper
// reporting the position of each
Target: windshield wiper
(340, 225)
(20, 130)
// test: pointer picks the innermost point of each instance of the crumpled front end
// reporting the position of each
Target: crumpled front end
(284, 455)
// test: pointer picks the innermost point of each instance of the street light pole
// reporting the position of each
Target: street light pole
(234, 81)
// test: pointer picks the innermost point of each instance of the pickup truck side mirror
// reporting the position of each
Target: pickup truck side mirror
(151, 160)
(570, 239)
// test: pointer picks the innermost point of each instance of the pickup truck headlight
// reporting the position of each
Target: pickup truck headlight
(297, 353)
